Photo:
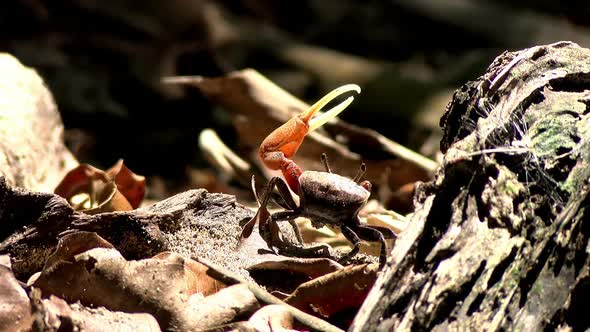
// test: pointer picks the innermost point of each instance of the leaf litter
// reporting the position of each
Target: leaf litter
(227, 283)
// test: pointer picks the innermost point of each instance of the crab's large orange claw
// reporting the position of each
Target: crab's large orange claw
(280, 146)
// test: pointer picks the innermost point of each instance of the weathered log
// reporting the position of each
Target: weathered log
(499, 239)
(192, 223)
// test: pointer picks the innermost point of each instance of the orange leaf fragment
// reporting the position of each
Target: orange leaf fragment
(91, 190)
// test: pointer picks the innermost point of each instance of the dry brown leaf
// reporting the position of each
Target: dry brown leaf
(73, 244)
(195, 276)
(335, 292)
(15, 311)
(55, 314)
(92, 190)
(310, 267)
(220, 308)
(77, 180)
(108, 199)
(131, 185)
(274, 317)
(309, 322)
(102, 277)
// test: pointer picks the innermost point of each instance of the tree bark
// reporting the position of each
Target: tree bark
(499, 239)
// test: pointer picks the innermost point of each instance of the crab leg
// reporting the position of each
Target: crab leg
(355, 232)
(280, 146)
(267, 226)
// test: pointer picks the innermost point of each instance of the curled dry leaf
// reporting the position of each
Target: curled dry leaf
(92, 190)
(335, 292)
(77, 180)
(15, 309)
(107, 198)
(195, 276)
(131, 185)
(33, 153)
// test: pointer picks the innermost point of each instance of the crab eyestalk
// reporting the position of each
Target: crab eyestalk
(277, 148)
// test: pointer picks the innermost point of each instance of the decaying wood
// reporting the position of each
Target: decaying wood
(30, 130)
(193, 222)
(498, 240)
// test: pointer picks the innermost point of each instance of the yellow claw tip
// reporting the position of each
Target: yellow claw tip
(333, 112)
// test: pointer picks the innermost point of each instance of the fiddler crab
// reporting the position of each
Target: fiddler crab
(324, 197)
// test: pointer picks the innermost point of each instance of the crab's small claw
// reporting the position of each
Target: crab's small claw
(280, 146)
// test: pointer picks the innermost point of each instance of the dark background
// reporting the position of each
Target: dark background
(103, 61)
